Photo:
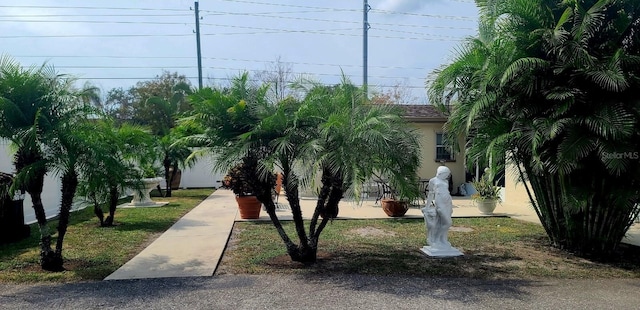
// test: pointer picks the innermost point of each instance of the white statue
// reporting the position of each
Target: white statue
(437, 215)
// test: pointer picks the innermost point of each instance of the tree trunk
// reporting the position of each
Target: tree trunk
(585, 212)
(46, 253)
(22, 159)
(113, 204)
(304, 253)
(174, 172)
(167, 176)
(327, 206)
(329, 183)
(69, 185)
(270, 207)
(97, 210)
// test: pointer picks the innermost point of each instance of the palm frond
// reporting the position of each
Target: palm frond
(522, 66)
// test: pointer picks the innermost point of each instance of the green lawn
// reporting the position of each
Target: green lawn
(495, 248)
(92, 252)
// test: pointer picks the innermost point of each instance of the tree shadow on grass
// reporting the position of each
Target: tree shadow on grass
(399, 262)
(17, 248)
(155, 225)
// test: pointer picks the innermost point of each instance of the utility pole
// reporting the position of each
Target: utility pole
(198, 44)
(365, 30)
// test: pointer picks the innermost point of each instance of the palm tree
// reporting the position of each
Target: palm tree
(348, 141)
(66, 152)
(558, 104)
(42, 114)
(332, 131)
(66, 148)
(165, 111)
(26, 101)
(175, 155)
(110, 168)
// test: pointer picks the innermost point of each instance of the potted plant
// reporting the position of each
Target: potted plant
(487, 194)
(394, 207)
(395, 203)
(239, 180)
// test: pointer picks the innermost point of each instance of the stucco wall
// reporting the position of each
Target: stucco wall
(428, 164)
(514, 191)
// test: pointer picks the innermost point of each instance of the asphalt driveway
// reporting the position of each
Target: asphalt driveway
(324, 292)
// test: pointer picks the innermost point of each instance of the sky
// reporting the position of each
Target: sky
(117, 43)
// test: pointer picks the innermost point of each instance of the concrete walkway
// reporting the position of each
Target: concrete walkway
(194, 245)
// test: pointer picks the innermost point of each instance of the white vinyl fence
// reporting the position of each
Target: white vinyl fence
(200, 175)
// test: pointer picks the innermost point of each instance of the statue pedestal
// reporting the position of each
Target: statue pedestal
(440, 252)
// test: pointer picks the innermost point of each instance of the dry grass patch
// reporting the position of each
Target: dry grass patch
(495, 248)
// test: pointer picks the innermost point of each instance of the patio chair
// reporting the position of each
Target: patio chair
(384, 190)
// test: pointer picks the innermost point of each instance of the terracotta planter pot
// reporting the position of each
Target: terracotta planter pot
(249, 207)
(394, 208)
(486, 206)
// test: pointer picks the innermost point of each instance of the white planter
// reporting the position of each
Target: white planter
(142, 196)
(486, 206)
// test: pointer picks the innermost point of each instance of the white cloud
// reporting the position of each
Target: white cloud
(402, 5)
(31, 23)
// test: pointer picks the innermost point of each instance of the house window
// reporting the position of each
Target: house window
(443, 151)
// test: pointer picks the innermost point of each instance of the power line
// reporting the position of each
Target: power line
(124, 67)
(462, 18)
(339, 34)
(293, 6)
(93, 15)
(266, 30)
(333, 20)
(318, 74)
(217, 58)
(183, 23)
(466, 18)
(354, 10)
(189, 23)
(273, 12)
(225, 79)
(417, 33)
(106, 56)
(220, 68)
(276, 29)
(96, 22)
(88, 8)
(424, 26)
(273, 31)
(94, 36)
